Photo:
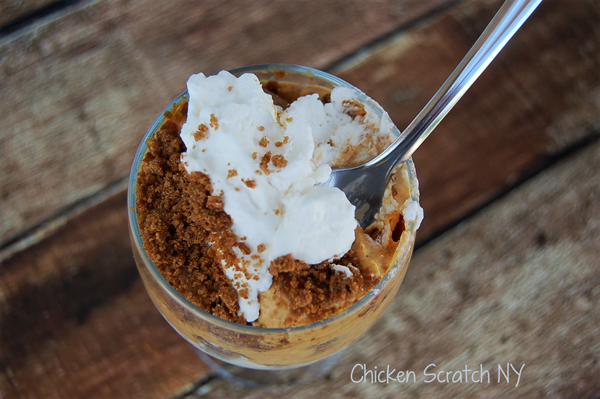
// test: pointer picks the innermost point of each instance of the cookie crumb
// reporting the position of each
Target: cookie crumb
(264, 162)
(214, 123)
(250, 183)
(279, 161)
(201, 133)
(215, 202)
(244, 248)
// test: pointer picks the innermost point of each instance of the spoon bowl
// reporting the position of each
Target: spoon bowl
(364, 185)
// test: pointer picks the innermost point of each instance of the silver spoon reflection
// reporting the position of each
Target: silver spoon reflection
(364, 185)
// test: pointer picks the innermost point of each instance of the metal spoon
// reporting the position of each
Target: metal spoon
(364, 185)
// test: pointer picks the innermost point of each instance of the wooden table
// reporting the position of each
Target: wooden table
(507, 269)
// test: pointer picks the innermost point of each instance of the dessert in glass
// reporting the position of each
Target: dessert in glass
(239, 248)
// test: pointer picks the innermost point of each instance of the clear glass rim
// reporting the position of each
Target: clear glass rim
(134, 228)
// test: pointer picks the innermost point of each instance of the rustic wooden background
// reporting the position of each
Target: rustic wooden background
(507, 268)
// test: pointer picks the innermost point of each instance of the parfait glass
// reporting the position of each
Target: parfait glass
(265, 356)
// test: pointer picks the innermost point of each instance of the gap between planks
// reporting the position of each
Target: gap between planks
(50, 226)
(351, 60)
(41, 16)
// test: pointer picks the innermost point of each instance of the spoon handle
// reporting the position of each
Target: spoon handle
(503, 26)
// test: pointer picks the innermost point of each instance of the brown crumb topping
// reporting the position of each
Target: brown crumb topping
(264, 142)
(264, 162)
(279, 161)
(249, 182)
(313, 292)
(286, 264)
(244, 248)
(281, 143)
(244, 293)
(201, 133)
(215, 202)
(214, 122)
(231, 173)
(178, 216)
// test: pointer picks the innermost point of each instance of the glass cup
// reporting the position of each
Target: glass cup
(248, 348)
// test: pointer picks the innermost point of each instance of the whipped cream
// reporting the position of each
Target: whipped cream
(412, 212)
(267, 162)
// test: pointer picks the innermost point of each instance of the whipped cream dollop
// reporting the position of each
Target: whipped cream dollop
(267, 162)
(412, 212)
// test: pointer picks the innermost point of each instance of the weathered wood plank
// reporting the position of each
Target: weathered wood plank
(69, 306)
(83, 88)
(76, 321)
(518, 283)
(538, 97)
(13, 10)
